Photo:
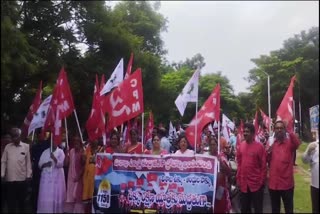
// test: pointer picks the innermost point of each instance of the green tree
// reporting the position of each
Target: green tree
(299, 56)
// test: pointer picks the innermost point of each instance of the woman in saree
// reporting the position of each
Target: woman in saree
(89, 173)
(75, 177)
(114, 146)
(135, 147)
(222, 202)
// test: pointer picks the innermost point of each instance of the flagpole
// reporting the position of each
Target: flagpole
(65, 125)
(294, 114)
(218, 142)
(142, 141)
(51, 142)
(104, 134)
(32, 136)
(196, 129)
(75, 114)
(121, 129)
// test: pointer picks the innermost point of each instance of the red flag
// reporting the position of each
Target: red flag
(95, 124)
(241, 128)
(137, 125)
(130, 184)
(256, 123)
(32, 110)
(126, 133)
(209, 111)
(266, 119)
(285, 112)
(129, 67)
(61, 106)
(149, 127)
(152, 177)
(126, 100)
(239, 135)
(140, 182)
(102, 82)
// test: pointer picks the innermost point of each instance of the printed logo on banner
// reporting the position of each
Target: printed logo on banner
(104, 194)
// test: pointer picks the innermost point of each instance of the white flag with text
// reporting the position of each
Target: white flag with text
(189, 93)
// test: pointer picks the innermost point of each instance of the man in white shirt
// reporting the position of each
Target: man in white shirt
(16, 171)
(311, 156)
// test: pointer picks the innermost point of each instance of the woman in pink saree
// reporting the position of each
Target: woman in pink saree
(52, 189)
(75, 174)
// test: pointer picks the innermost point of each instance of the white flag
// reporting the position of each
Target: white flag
(115, 79)
(227, 125)
(189, 93)
(172, 131)
(40, 116)
(215, 125)
(210, 128)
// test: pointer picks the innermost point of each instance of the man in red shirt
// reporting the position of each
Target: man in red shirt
(280, 156)
(252, 170)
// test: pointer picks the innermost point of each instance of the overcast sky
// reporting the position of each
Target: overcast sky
(228, 34)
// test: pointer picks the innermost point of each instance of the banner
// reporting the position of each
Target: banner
(314, 118)
(152, 184)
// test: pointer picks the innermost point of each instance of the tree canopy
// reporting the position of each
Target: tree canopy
(89, 38)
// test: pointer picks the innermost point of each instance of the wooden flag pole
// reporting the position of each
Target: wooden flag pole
(51, 143)
(32, 136)
(67, 140)
(218, 143)
(80, 133)
(142, 125)
(196, 129)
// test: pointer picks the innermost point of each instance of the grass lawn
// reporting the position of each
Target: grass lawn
(302, 198)
(300, 151)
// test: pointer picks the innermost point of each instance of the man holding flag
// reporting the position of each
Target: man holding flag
(280, 155)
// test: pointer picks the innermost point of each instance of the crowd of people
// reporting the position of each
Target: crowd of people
(62, 177)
